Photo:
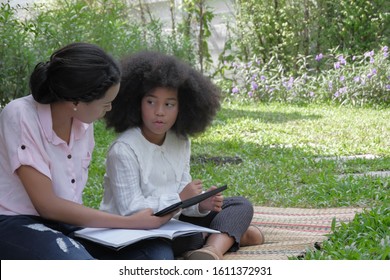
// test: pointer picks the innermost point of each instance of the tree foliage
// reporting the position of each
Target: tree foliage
(284, 34)
(287, 29)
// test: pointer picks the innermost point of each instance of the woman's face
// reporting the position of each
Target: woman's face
(159, 112)
(92, 111)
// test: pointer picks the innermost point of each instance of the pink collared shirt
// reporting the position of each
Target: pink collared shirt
(27, 138)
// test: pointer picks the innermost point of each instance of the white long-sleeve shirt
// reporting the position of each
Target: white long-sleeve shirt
(140, 174)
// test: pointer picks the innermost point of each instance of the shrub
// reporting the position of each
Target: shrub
(107, 23)
(16, 54)
(342, 79)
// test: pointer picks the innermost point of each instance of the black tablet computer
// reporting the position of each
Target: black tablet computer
(189, 202)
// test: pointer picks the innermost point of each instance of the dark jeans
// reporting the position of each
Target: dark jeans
(31, 237)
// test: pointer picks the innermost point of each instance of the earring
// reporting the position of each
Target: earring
(75, 106)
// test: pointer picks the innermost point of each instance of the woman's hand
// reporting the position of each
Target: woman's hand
(192, 189)
(145, 219)
(213, 203)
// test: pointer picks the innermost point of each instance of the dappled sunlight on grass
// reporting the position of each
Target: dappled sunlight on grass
(291, 156)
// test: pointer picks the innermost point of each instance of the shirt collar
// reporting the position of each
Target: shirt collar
(175, 151)
(44, 113)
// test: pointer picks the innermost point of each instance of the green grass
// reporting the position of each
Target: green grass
(365, 238)
(290, 156)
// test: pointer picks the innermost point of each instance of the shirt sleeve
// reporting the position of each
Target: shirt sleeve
(123, 182)
(192, 211)
(23, 141)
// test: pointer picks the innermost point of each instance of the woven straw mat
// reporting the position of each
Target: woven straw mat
(289, 232)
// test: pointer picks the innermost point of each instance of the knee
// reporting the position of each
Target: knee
(244, 204)
(238, 202)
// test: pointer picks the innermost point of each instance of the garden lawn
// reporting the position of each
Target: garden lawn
(290, 156)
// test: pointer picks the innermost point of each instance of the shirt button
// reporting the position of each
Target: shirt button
(69, 156)
(23, 147)
(73, 180)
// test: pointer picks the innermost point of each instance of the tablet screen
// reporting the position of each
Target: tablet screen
(189, 202)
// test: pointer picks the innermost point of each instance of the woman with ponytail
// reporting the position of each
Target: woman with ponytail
(46, 145)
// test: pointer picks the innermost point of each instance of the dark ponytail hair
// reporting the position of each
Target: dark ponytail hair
(78, 72)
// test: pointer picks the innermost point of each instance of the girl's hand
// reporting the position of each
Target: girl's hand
(213, 203)
(192, 189)
(145, 219)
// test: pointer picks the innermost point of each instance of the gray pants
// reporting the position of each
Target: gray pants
(234, 219)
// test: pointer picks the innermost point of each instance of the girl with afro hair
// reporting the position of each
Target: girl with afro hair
(163, 101)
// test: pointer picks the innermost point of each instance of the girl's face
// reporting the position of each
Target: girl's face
(159, 109)
(91, 111)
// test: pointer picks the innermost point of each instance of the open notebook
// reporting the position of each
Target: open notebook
(119, 238)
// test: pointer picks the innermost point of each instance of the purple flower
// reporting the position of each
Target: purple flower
(254, 85)
(343, 90)
(342, 78)
(311, 94)
(263, 78)
(369, 54)
(330, 85)
(356, 79)
(235, 90)
(342, 60)
(388, 87)
(385, 50)
(288, 85)
(319, 56)
(372, 73)
(250, 94)
(337, 65)
(340, 91)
